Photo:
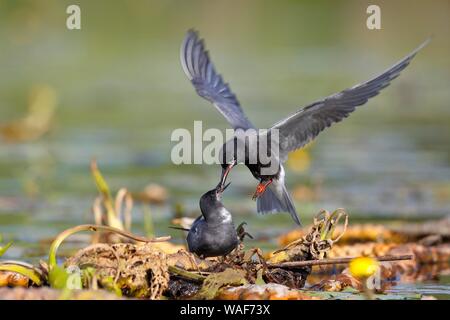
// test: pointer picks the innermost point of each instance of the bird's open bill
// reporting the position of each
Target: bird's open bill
(225, 173)
(221, 188)
(260, 188)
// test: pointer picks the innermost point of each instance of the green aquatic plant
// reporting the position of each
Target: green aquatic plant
(19, 267)
(215, 281)
(113, 209)
(5, 248)
(23, 268)
(149, 225)
(329, 222)
(38, 120)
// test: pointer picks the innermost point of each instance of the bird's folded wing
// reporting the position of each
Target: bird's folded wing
(303, 126)
(208, 83)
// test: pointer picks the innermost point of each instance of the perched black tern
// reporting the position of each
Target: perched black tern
(213, 233)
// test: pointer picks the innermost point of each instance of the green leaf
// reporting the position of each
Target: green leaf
(148, 222)
(259, 278)
(5, 248)
(27, 272)
(104, 190)
(102, 186)
(57, 277)
(109, 284)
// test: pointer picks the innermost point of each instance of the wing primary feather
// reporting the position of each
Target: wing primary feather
(208, 83)
(303, 126)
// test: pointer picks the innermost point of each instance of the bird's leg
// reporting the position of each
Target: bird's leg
(242, 233)
(191, 258)
(261, 187)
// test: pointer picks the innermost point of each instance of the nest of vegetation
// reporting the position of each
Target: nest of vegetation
(145, 270)
(138, 270)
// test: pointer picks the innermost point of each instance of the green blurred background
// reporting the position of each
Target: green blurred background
(119, 91)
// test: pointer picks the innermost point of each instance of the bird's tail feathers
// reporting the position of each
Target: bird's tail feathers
(272, 201)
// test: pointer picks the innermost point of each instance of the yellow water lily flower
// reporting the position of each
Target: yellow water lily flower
(363, 267)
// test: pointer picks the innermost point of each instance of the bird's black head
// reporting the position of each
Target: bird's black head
(213, 196)
(210, 202)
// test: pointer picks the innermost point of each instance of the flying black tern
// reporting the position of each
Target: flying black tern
(294, 132)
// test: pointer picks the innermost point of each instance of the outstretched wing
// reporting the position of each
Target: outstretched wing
(208, 83)
(303, 126)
